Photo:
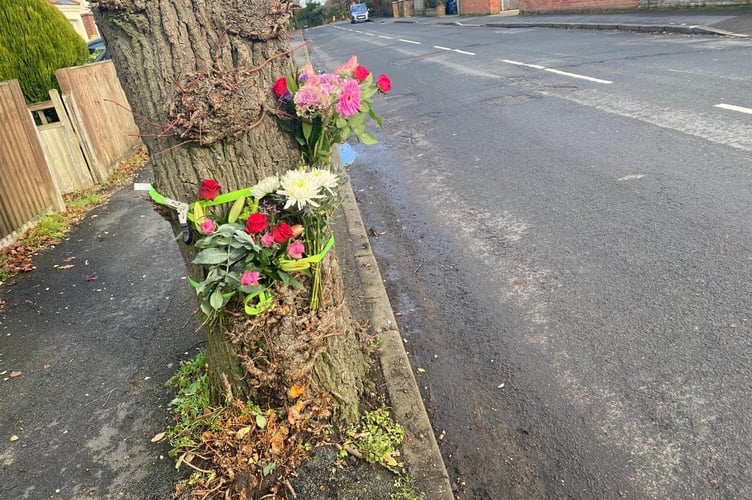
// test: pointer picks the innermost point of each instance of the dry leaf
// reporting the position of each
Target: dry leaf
(67, 266)
(158, 437)
(389, 460)
(421, 370)
(15, 374)
(14, 438)
(69, 259)
(243, 432)
(296, 391)
(91, 277)
(278, 443)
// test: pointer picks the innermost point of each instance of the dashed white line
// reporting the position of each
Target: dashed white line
(408, 41)
(575, 75)
(441, 48)
(385, 37)
(731, 107)
(558, 72)
(370, 34)
(464, 52)
(517, 63)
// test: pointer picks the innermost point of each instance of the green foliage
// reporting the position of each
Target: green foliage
(404, 489)
(313, 14)
(376, 438)
(36, 40)
(190, 405)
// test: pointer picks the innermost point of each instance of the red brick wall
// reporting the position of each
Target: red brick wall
(479, 7)
(541, 6)
(91, 27)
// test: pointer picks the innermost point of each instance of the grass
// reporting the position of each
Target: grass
(53, 227)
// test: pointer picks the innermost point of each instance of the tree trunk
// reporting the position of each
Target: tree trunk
(198, 75)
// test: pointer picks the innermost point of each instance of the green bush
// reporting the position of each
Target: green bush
(35, 40)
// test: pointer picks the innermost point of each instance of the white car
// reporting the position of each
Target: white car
(358, 13)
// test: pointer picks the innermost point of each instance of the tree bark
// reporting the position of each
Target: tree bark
(198, 74)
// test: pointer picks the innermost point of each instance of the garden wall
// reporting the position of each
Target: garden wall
(544, 6)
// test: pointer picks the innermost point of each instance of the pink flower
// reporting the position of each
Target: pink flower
(250, 278)
(384, 84)
(348, 68)
(208, 227)
(361, 73)
(267, 240)
(349, 101)
(310, 101)
(295, 249)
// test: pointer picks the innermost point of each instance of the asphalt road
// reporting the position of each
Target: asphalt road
(562, 222)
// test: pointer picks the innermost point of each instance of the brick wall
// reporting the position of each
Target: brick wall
(543, 6)
(479, 7)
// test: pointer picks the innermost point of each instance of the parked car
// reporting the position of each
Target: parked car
(358, 13)
(98, 50)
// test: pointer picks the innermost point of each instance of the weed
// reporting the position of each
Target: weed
(375, 439)
(404, 489)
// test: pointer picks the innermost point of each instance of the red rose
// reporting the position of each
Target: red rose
(280, 87)
(384, 83)
(361, 73)
(209, 189)
(282, 233)
(256, 223)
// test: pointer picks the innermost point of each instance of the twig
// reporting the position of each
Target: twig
(137, 115)
(100, 397)
(418, 268)
(289, 487)
(253, 70)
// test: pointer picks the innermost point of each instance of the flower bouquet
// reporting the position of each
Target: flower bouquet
(325, 109)
(270, 233)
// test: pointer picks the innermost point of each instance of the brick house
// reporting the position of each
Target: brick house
(79, 15)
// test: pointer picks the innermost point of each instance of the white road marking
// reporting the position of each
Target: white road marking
(408, 41)
(370, 34)
(464, 52)
(575, 75)
(558, 72)
(517, 63)
(441, 48)
(385, 37)
(731, 107)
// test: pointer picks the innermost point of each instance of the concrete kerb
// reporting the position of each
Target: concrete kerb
(420, 448)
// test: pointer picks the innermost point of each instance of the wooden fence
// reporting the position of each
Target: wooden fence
(27, 188)
(78, 139)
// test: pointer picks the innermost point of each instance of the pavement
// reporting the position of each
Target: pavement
(89, 339)
(734, 22)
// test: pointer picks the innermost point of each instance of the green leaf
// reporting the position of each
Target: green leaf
(211, 256)
(368, 139)
(269, 468)
(261, 421)
(307, 129)
(217, 300)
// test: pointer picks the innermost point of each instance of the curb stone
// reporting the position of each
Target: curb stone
(420, 448)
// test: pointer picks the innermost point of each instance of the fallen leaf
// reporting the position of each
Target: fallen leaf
(14, 438)
(278, 443)
(158, 437)
(389, 460)
(67, 266)
(69, 259)
(243, 432)
(296, 391)
(91, 277)
(15, 374)
(421, 370)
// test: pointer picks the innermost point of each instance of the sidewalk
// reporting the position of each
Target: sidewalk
(723, 22)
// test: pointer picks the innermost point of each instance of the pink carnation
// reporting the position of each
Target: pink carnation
(295, 249)
(267, 240)
(348, 68)
(208, 227)
(349, 102)
(250, 278)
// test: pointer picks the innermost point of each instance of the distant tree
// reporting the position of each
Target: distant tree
(313, 14)
(35, 41)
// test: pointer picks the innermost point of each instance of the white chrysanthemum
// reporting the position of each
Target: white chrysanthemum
(326, 179)
(300, 188)
(266, 186)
